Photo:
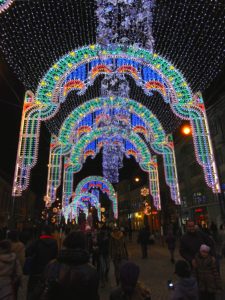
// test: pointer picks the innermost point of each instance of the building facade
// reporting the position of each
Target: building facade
(20, 209)
(197, 200)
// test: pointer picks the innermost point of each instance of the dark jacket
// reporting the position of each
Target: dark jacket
(171, 241)
(206, 273)
(143, 236)
(104, 243)
(139, 293)
(185, 289)
(10, 271)
(190, 244)
(118, 249)
(77, 279)
(42, 251)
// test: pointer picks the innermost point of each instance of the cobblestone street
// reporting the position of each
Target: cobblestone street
(155, 271)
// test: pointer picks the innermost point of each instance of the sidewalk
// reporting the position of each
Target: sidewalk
(154, 271)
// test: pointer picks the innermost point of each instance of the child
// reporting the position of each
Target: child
(171, 243)
(186, 287)
(129, 287)
(209, 281)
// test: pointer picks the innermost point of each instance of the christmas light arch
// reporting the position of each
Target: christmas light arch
(74, 163)
(160, 75)
(160, 143)
(71, 211)
(101, 183)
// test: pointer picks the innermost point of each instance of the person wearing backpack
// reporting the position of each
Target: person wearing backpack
(71, 276)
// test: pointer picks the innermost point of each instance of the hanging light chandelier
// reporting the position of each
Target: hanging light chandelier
(116, 120)
(124, 22)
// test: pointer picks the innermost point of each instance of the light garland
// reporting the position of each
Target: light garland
(126, 22)
(114, 85)
(144, 191)
(189, 34)
(150, 72)
(5, 4)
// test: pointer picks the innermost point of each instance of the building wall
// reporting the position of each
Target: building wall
(198, 201)
(23, 206)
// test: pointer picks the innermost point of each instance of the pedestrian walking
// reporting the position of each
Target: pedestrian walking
(19, 249)
(104, 262)
(130, 232)
(71, 276)
(221, 241)
(192, 240)
(10, 272)
(143, 240)
(186, 287)
(129, 287)
(214, 230)
(171, 243)
(17, 246)
(95, 249)
(118, 251)
(209, 281)
(39, 253)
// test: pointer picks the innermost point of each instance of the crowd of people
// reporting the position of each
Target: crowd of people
(41, 267)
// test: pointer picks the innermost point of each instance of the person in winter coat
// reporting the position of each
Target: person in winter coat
(118, 251)
(171, 243)
(41, 252)
(186, 287)
(71, 276)
(19, 249)
(209, 281)
(221, 241)
(129, 288)
(104, 262)
(192, 240)
(10, 272)
(16, 246)
(143, 240)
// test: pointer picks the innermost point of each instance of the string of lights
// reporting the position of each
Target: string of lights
(190, 34)
(5, 4)
(118, 55)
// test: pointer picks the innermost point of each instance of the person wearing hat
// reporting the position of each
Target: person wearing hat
(186, 287)
(209, 280)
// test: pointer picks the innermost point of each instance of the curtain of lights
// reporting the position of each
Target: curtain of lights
(175, 91)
